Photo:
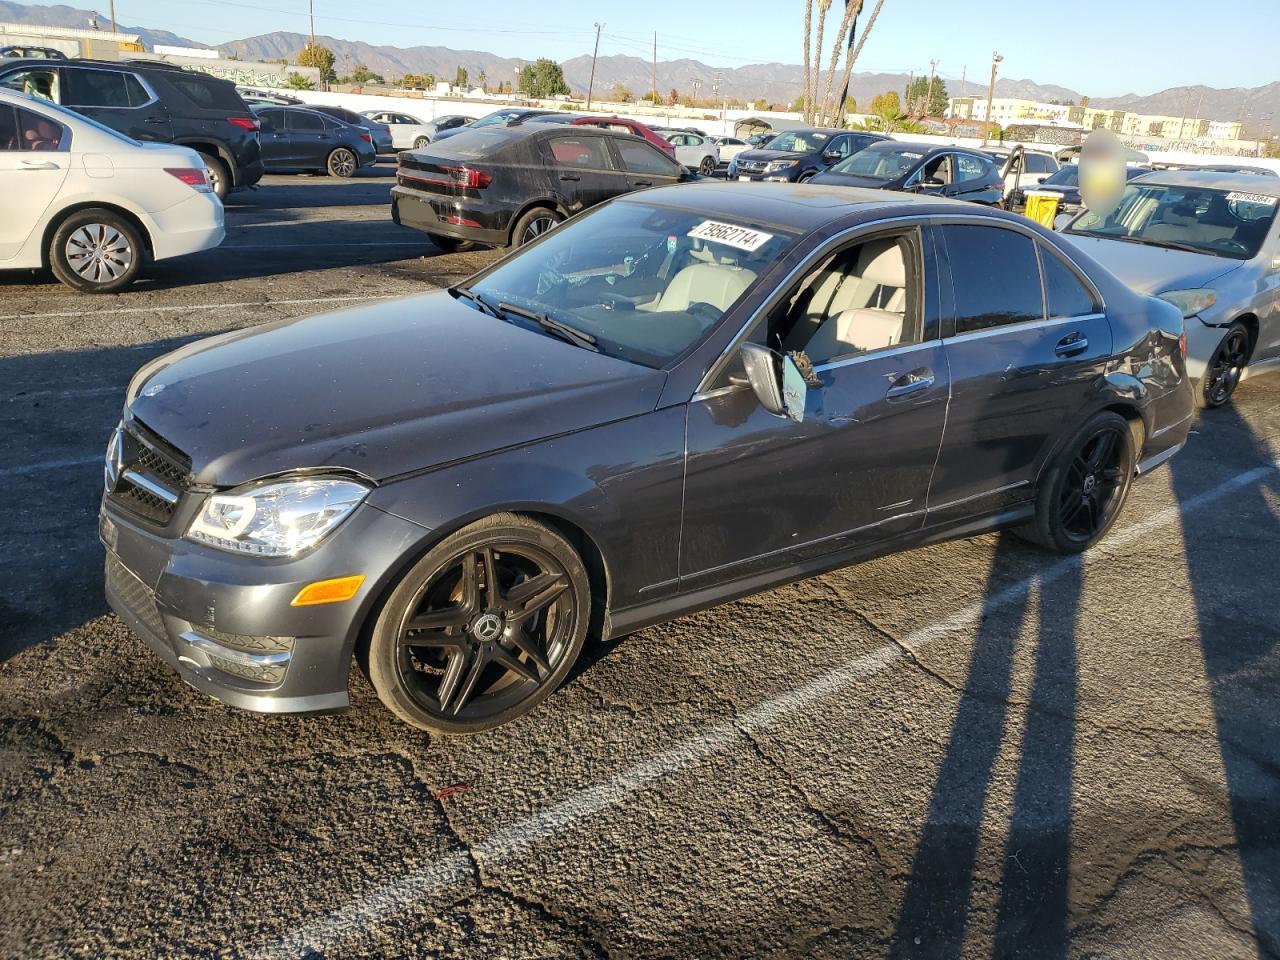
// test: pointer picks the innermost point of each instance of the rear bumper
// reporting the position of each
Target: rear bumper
(248, 174)
(190, 226)
(427, 212)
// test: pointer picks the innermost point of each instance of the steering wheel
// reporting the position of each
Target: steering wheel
(616, 301)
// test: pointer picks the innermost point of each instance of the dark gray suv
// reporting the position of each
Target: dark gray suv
(689, 394)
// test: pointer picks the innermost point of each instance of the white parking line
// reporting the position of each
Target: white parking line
(396, 895)
(49, 465)
(171, 307)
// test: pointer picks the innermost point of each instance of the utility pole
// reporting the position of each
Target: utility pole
(592, 82)
(928, 97)
(695, 83)
(312, 5)
(655, 68)
(715, 93)
(964, 73)
(113, 16)
(844, 94)
(991, 93)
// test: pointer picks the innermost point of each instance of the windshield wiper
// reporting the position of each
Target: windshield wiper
(561, 329)
(479, 300)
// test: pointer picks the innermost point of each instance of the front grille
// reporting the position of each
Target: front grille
(269, 675)
(136, 596)
(248, 644)
(750, 166)
(152, 474)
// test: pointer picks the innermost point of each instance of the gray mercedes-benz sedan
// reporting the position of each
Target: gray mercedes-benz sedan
(684, 396)
(1209, 243)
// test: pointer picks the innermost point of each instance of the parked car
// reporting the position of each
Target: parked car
(92, 205)
(296, 139)
(1209, 243)
(760, 139)
(378, 132)
(22, 51)
(1036, 167)
(506, 117)
(694, 151)
(633, 127)
(729, 147)
(149, 100)
(410, 133)
(955, 172)
(506, 186)
(684, 396)
(1065, 185)
(1236, 168)
(256, 97)
(799, 155)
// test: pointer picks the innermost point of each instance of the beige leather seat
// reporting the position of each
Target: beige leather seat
(868, 310)
(714, 280)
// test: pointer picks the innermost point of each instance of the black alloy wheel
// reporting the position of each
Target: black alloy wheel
(534, 224)
(1085, 489)
(483, 628)
(1226, 367)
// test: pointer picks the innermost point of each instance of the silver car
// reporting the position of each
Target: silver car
(1209, 243)
(695, 152)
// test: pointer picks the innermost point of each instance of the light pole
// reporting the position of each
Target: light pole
(592, 82)
(991, 92)
(715, 95)
(928, 97)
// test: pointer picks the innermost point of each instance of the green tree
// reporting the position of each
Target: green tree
(321, 58)
(362, 74)
(543, 79)
(797, 105)
(482, 81)
(887, 115)
(621, 94)
(296, 81)
(417, 81)
(651, 97)
(460, 78)
(920, 102)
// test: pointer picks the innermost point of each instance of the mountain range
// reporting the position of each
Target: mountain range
(767, 82)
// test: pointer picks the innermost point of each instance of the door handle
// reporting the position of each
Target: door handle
(155, 120)
(569, 176)
(1072, 344)
(910, 384)
(39, 165)
(644, 183)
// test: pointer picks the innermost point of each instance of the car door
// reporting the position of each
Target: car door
(584, 169)
(973, 179)
(311, 138)
(645, 164)
(274, 139)
(119, 99)
(763, 491)
(34, 161)
(1026, 339)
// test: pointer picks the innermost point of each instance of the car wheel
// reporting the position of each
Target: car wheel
(96, 251)
(421, 142)
(533, 224)
(805, 177)
(1084, 490)
(219, 176)
(707, 167)
(450, 244)
(482, 628)
(342, 163)
(1222, 375)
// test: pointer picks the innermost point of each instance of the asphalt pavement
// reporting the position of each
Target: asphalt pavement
(973, 749)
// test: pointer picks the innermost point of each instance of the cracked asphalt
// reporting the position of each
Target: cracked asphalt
(973, 749)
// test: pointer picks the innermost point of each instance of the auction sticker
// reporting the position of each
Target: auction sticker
(743, 238)
(1259, 198)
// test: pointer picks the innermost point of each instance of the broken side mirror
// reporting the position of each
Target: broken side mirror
(776, 381)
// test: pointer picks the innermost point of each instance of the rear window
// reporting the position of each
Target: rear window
(474, 143)
(208, 93)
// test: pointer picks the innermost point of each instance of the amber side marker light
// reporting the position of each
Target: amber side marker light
(328, 591)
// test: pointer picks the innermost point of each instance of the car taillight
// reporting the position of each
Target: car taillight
(367, 137)
(468, 177)
(194, 177)
(244, 123)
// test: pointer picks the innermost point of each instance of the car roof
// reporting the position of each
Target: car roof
(928, 149)
(1215, 180)
(801, 207)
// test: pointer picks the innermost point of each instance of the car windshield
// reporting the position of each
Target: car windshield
(880, 163)
(793, 142)
(1225, 223)
(1068, 176)
(644, 283)
(502, 116)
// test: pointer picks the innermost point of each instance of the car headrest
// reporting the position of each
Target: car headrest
(881, 262)
(702, 251)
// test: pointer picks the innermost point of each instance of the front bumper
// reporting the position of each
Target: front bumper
(225, 622)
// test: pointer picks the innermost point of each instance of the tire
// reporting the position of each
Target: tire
(219, 176)
(533, 224)
(1077, 504)
(805, 177)
(450, 244)
(450, 654)
(707, 167)
(421, 142)
(342, 163)
(1225, 367)
(96, 251)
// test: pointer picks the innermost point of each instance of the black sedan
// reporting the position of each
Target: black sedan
(798, 155)
(953, 172)
(298, 139)
(687, 395)
(507, 117)
(506, 186)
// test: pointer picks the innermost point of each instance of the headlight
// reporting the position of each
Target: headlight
(776, 165)
(280, 519)
(1190, 302)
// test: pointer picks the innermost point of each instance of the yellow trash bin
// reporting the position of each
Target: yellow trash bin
(1042, 208)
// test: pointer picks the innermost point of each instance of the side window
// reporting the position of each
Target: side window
(103, 88)
(645, 158)
(865, 297)
(969, 168)
(939, 168)
(994, 277)
(1065, 294)
(301, 121)
(26, 130)
(840, 145)
(272, 121)
(589, 152)
(36, 83)
(1039, 164)
(207, 93)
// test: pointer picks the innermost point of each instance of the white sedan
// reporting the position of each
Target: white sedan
(695, 152)
(729, 147)
(91, 204)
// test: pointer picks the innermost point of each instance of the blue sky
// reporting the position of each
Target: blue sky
(1100, 47)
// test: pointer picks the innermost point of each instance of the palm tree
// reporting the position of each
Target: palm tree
(851, 8)
(804, 97)
(811, 91)
(857, 49)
